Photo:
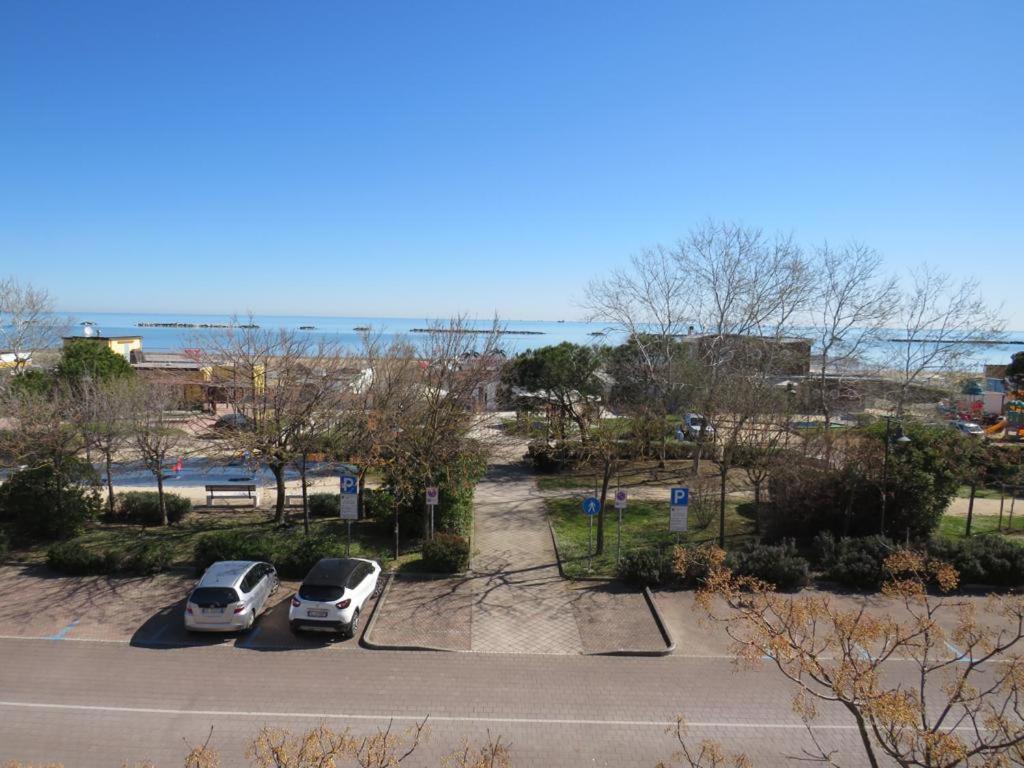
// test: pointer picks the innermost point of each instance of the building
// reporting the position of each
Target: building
(121, 345)
(783, 356)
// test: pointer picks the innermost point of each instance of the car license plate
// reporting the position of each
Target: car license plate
(212, 610)
(316, 613)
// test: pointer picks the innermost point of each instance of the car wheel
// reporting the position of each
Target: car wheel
(377, 589)
(353, 626)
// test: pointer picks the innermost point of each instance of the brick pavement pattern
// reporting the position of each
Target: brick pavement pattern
(514, 600)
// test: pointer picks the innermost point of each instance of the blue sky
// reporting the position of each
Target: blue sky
(414, 159)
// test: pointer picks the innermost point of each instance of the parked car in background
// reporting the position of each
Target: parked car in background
(696, 427)
(968, 428)
(333, 595)
(230, 596)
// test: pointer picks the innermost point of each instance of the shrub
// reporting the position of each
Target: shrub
(5, 543)
(983, 559)
(825, 549)
(778, 564)
(691, 565)
(234, 545)
(298, 553)
(378, 503)
(324, 505)
(446, 553)
(71, 557)
(143, 507)
(645, 568)
(550, 457)
(860, 562)
(291, 552)
(29, 499)
(679, 449)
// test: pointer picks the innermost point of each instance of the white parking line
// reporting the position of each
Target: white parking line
(411, 718)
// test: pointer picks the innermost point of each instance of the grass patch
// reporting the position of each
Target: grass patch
(644, 524)
(953, 526)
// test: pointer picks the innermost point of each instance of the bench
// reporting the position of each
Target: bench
(293, 501)
(246, 492)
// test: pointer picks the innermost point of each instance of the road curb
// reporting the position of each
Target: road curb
(666, 635)
(558, 553)
(365, 640)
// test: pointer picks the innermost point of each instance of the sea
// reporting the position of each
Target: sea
(521, 334)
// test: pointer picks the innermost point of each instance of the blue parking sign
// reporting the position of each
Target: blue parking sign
(680, 497)
(349, 484)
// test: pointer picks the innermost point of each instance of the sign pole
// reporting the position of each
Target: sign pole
(348, 538)
(590, 543)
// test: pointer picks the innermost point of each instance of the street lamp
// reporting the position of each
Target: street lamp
(900, 439)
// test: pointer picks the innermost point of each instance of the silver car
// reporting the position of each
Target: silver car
(230, 595)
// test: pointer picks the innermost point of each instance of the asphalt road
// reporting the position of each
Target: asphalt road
(99, 703)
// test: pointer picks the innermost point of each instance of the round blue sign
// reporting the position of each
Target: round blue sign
(591, 506)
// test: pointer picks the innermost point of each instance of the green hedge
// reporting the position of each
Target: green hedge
(778, 564)
(324, 505)
(989, 560)
(292, 553)
(645, 568)
(143, 507)
(5, 543)
(37, 504)
(446, 553)
(72, 558)
(859, 562)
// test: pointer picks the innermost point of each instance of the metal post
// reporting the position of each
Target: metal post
(590, 543)
(618, 538)
(348, 539)
(431, 521)
(885, 473)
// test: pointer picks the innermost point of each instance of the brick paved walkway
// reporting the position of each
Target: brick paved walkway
(514, 600)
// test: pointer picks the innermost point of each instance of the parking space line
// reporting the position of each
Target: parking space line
(63, 633)
(68, 639)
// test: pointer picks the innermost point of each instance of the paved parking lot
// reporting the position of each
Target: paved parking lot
(144, 612)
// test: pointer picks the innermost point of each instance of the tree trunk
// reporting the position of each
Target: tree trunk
(721, 505)
(160, 493)
(278, 470)
(757, 506)
(970, 507)
(605, 479)
(110, 484)
(305, 498)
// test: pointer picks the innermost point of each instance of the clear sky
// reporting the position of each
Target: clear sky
(418, 159)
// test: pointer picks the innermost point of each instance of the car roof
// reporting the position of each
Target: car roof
(333, 571)
(226, 573)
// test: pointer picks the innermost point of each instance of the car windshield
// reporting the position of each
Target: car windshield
(213, 597)
(697, 421)
(320, 593)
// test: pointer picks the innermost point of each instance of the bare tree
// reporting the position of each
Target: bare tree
(421, 404)
(745, 291)
(104, 413)
(156, 435)
(852, 304)
(928, 683)
(27, 321)
(283, 384)
(649, 304)
(941, 323)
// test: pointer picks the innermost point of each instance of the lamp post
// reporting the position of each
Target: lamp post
(901, 439)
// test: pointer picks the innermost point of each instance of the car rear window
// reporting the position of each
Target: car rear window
(320, 593)
(212, 597)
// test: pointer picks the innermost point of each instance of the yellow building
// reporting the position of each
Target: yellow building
(122, 345)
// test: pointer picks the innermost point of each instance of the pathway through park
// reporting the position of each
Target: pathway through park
(522, 604)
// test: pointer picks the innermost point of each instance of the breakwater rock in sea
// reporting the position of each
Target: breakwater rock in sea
(195, 325)
(475, 331)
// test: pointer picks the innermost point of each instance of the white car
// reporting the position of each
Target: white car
(696, 427)
(969, 428)
(333, 594)
(230, 595)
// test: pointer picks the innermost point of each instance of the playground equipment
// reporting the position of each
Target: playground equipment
(996, 428)
(1014, 418)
